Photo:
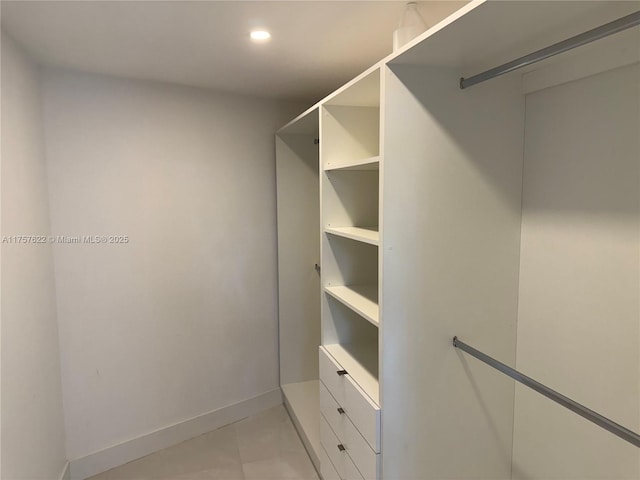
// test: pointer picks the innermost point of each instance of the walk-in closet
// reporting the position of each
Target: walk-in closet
(304, 240)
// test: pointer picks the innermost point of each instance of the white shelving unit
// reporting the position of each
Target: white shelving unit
(507, 214)
(350, 217)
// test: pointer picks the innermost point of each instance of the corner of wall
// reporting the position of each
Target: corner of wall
(31, 410)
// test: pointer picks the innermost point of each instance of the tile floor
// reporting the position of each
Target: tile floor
(262, 447)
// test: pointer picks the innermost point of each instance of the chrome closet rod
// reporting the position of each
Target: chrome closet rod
(570, 43)
(566, 402)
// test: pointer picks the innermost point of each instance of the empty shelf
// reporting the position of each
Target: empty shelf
(368, 235)
(362, 299)
(372, 163)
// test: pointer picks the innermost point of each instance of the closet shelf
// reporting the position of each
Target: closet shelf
(362, 299)
(368, 235)
(372, 163)
(361, 361)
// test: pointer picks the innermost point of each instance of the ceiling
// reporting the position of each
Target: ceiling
(316, 45)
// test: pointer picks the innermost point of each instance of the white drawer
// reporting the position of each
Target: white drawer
(330, 444)
(350, 470)
(334, 463)
(363, 412)
(329, 409)
(329, 375)
(327, 470)
(365, 459)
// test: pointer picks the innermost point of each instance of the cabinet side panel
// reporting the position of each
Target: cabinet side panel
(298, 252)
(579, 313)
(452, 206)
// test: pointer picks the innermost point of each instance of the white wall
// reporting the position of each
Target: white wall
(579, 278)
(182, 319)
(32, 423)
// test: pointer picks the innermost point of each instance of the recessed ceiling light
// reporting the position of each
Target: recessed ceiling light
(260, 36)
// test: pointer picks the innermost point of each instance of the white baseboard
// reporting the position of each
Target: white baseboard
(139, 447)
(66, 472)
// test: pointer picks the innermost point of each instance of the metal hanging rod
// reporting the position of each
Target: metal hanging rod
(610, 28)
(566, 402)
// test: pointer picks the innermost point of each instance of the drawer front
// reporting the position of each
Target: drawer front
(327, 470)
(363, 412)
(329, 409)
(365, 459)
(328, 374)
(350, 470)
(330, 444)
(332, 460)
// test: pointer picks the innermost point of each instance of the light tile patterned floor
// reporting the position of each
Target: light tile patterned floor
(263, 447)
